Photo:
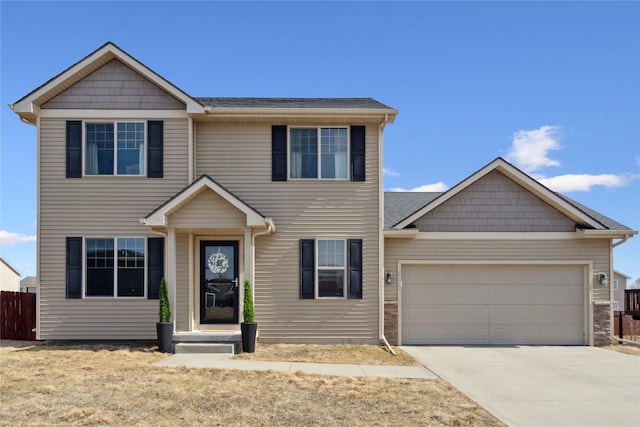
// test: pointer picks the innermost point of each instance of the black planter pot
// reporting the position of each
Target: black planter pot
(249, 332)
(165, 336)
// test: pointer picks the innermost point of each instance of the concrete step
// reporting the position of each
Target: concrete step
(199, 347)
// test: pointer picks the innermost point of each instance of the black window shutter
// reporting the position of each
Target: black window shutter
(155, 137)
(155, 266)
(278, 153)
(355, 268)
(307, 268)
(74, 267)
(357, 153)
(74, 149)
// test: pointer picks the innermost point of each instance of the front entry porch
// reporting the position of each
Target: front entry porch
(209, 253)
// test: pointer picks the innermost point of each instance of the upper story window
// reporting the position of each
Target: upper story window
(326, 159)
(615, 284)
(115, 148)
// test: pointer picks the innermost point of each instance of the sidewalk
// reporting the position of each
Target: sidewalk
(218, 361)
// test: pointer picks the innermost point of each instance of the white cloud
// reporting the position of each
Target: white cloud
(8, 238)
(530, 147)
(427, 188)
(584, 182)
(389, 172)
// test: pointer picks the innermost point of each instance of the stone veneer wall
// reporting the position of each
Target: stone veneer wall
(391, 322)
(601, 324)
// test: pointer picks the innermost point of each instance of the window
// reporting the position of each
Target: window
(119, 152)
(615, 284)
(115, 267)
(310, 159)
(615, 305)
(331, 268)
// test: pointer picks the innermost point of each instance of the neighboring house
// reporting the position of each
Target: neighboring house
(9, 276)
(29, 284)
(618, 286)
(138, 181)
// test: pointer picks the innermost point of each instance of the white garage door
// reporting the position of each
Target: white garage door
(496, 304)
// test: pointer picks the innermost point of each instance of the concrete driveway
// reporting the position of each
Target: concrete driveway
(543, 386)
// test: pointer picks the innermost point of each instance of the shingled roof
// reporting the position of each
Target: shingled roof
(355, 103)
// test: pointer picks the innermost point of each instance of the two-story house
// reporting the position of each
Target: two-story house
(138, 180)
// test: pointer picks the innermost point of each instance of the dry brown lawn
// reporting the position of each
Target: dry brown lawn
(349, 354)
(624, 348)
(118, 385)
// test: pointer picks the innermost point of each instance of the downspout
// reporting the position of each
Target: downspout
(624, 239)
(271, 228)
(382, 338)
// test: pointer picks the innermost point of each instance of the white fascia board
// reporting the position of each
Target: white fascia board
(517, 176)
(401, 234)
(113, 114)
(379, 113)
(605, 234)
(160, 217)
(109, 49)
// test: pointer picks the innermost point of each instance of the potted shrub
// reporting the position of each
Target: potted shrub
(249, 328)
(164, 327)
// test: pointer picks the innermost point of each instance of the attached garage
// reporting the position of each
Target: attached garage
(494, 304)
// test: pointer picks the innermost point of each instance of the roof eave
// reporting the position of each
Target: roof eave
(605, 234)
(520, 178)
(27, 108)
(383, 114)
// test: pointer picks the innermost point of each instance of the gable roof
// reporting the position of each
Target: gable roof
(11, 267)
(402, 209)
(159, 216)
(28, 106)
(399, 205)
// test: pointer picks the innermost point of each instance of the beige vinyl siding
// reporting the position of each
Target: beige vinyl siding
(97, 206)
(207, 210)
(181, 311)
(498, 250)
(114, 86)
(300, 209)
(494, 203)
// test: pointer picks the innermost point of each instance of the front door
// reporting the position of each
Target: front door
(218, 282)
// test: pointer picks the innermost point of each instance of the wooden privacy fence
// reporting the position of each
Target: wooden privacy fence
(17, 316)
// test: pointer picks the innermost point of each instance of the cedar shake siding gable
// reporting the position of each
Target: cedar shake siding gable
(114, 86)
(494, 203)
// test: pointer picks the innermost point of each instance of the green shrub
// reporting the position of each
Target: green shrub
(165, 311)
(248, 302)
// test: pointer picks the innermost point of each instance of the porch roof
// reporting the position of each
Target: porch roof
(159, 217)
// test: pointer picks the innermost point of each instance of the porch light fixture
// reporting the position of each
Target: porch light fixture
(389, 277)
(604, 280)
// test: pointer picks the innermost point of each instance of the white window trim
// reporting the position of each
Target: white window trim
(115, 268)
(615, 284)
(319, 153)
(115, 148)
(318, 268)
(615, 305)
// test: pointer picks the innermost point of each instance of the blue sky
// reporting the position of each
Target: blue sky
(552, 86)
